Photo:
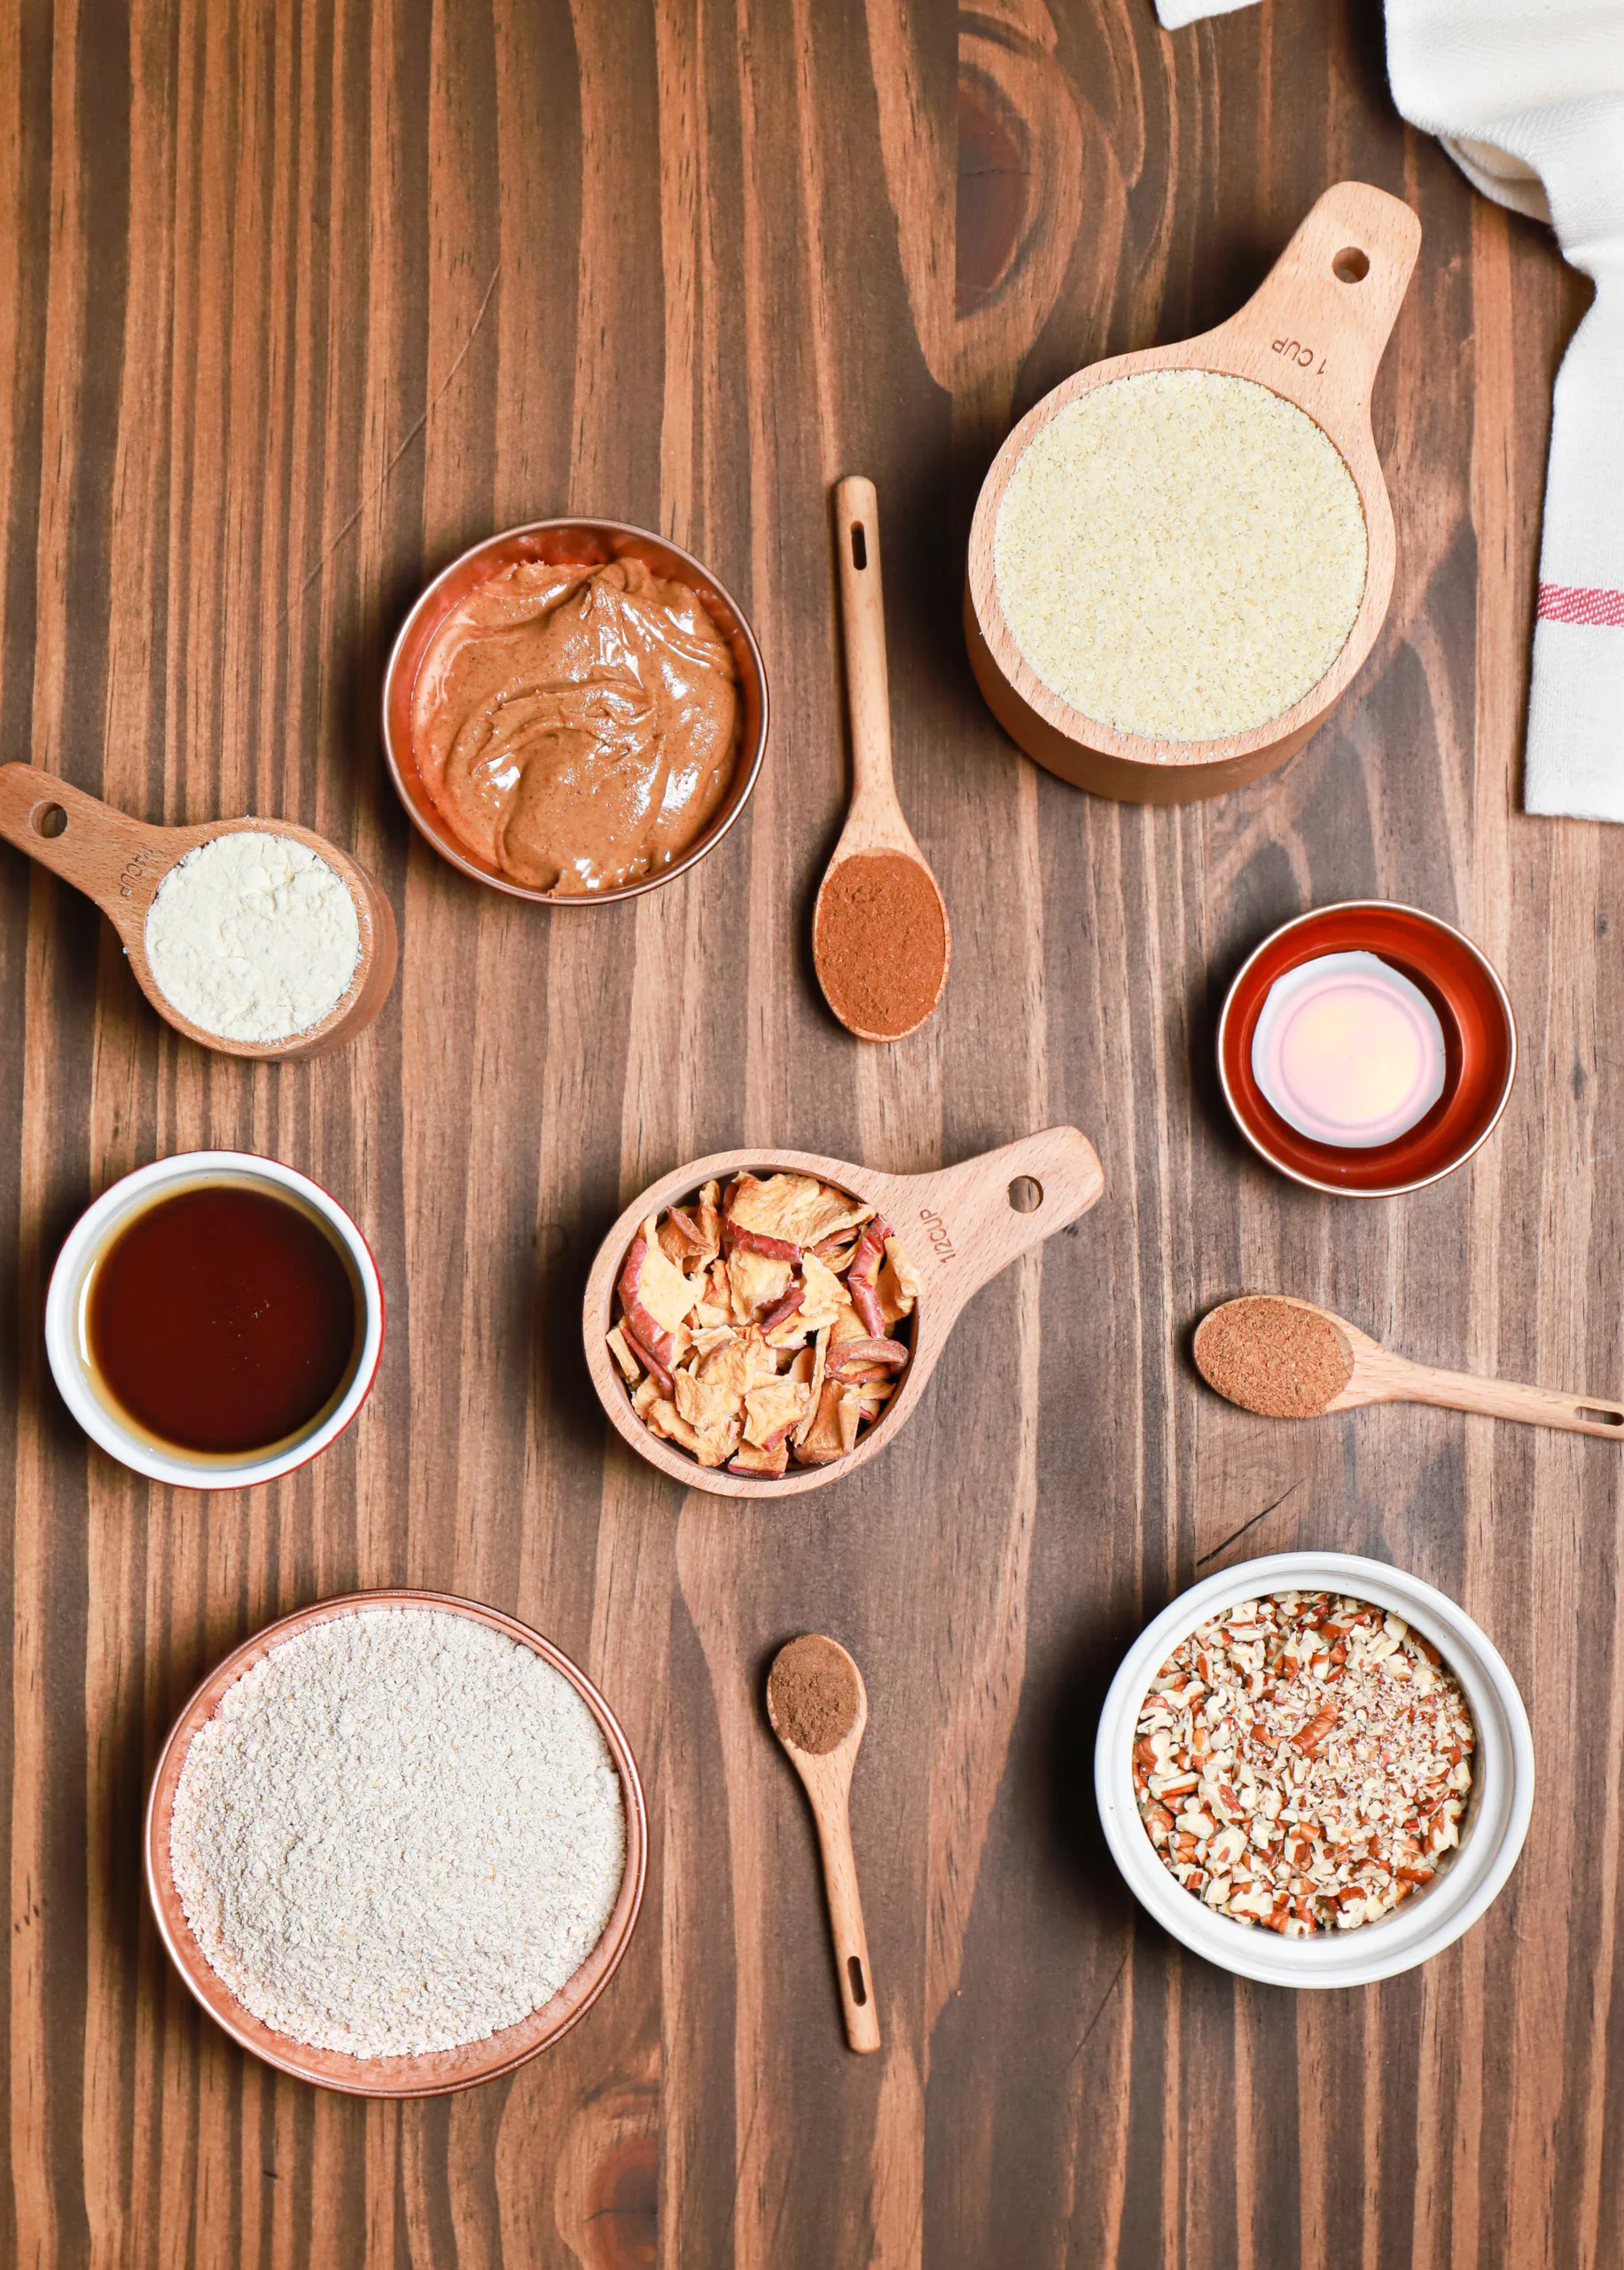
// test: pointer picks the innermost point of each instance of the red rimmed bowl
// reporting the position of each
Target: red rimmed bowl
(595, 543)
(1480, 1047)
(431, 2072)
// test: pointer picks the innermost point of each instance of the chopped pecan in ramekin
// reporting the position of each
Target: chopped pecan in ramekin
(760, 1323)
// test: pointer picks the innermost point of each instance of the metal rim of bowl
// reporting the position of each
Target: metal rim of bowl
(1399, 1941)
(210, 1990)
(1437, 922)
(750, 761)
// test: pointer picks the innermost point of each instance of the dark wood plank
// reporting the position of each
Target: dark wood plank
(296, 301)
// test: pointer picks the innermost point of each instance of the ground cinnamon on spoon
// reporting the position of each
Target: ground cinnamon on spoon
(881, 943)
(1272, 1357)
(812, 1695)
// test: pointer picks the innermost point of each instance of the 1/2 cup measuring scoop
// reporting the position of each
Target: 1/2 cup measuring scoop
(120, 863)
(960, 1227)
(881, 935)
(1313, 334)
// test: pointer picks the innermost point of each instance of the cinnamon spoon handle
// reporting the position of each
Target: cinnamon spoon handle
(1533, 1407)
(863, 614)
(833, 1815)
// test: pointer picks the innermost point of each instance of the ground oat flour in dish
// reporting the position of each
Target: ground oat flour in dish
(1181, 554)
(253, 937)
(400, 1831)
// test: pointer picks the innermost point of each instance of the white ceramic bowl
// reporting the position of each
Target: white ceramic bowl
(1497, 1814)
(66, 1328)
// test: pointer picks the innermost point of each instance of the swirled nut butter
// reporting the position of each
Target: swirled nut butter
(577, 727)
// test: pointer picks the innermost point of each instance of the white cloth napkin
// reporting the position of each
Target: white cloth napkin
(1528, 98)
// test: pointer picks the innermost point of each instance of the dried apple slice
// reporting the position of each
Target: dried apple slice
(767, 1465)
(773, 1410)
(757, 1282)
(898, 1286)
(859, 1277)
(615, 1341)
(853, 1357)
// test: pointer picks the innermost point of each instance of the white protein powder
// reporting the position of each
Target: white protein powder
(253, 937)
(1181, 554)
(401, 1830)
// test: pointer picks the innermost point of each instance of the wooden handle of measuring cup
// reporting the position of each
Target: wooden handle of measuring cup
(1315, 327)
(78, 837)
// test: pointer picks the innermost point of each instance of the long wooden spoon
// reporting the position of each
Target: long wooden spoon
(960, 1226)
(881, 935)
(819, 1708)
(1283, 1358)
(119, 862)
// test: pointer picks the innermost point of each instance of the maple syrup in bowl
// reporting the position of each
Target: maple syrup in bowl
(215, 1321)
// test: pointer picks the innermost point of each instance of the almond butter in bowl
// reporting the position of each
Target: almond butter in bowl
(762, 1322)
(1304, 1762)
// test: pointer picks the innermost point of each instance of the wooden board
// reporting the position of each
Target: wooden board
(295, 303)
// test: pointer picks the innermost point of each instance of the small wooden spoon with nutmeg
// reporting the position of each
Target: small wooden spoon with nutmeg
(881, 935)
(1286, 1359)
(819, 1707)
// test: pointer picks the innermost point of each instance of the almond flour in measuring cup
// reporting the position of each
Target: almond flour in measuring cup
(400, 1831)
(253, 937)
(1180, 555)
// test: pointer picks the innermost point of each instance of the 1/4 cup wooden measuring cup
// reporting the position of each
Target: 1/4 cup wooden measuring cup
(1314, 331)
(120, 863)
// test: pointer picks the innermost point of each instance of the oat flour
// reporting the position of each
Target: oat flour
(253, 937)
(401, 1830)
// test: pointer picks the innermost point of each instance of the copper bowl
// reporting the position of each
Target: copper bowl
(594, 542)
(433, 2071)
(1480, 1047)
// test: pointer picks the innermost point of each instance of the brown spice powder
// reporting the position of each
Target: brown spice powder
(881, 943)
(1272, 1357)
(812, 1695)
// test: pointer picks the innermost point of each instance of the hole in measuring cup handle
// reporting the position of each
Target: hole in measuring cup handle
(1351, 265)
(860, 550)
(49, 820)
(1600, 1418)
(1025, 1193)
(853, 1971)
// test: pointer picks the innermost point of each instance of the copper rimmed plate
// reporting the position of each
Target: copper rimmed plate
(1480, 1047)
(568, 541)
(434, 2071)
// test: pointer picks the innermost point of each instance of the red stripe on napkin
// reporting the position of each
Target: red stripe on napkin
(1580, 603)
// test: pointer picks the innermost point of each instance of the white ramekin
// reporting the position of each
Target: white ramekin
(1497, 1814)
(65, 1331)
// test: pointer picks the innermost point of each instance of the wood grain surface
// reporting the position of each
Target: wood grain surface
(295, 302)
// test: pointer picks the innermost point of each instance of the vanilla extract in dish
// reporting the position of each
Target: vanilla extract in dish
(223, 1319)
(1349, 1050)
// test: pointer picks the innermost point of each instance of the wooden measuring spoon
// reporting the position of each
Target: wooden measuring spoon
(119, 862)
(822, 1667)
(1314, 331)
(960, 1226)
(879, 888)
(1376, 1375)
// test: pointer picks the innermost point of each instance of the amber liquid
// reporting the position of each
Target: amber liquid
(223, 1318)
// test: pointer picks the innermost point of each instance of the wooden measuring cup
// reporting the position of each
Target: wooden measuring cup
(1314, 331)
(960, 1226)
(120, 863)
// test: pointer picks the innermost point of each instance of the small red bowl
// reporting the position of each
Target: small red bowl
(1480, 1047)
